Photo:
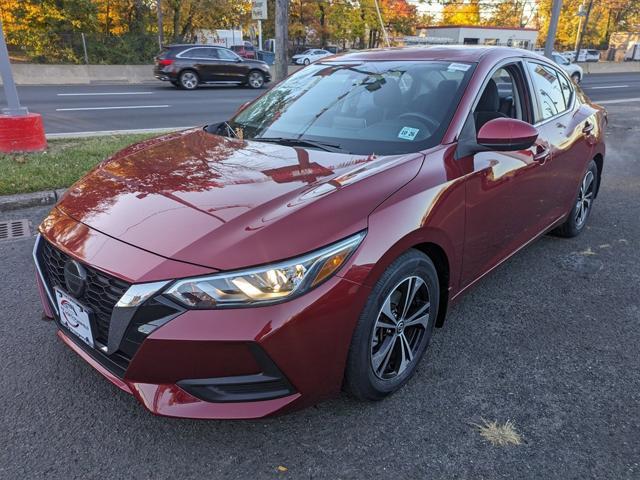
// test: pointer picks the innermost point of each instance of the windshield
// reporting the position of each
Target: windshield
(374, 107)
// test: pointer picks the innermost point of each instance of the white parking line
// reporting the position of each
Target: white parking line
(124, 107)
(607, 86)
(102, 93)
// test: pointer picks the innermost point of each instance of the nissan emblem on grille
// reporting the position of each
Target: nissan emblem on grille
(75, 277)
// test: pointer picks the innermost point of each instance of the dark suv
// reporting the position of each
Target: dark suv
(187, 66)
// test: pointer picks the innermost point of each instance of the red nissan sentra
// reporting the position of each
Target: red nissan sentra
(313, 241)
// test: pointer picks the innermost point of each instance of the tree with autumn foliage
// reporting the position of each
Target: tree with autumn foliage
(607, 16)
(461, 12)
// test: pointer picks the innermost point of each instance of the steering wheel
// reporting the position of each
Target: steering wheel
(423, 118)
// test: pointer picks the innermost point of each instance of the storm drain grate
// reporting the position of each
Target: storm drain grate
(13, 229)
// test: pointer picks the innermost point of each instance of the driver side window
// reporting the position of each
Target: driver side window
(502, 97)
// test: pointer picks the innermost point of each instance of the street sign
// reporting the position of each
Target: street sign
(259, 10)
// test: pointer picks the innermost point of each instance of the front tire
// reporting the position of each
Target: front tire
(255, 79)
(576, 78)
(577, 219)
(394, 328)
(189, 80)
(306, 62)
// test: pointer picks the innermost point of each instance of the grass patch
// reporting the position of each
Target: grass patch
(60, 165)
(499, 434)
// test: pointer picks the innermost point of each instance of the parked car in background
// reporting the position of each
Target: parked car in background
(188, 66)
(245, 51)
(212, 276)
(586, 55)
(572, 69)
(310, 56)
(589, 55)
(632, 53)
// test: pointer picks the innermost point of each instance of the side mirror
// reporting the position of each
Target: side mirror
(507, 135)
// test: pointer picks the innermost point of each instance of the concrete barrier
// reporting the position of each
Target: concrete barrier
(610, 67)
(36, 74)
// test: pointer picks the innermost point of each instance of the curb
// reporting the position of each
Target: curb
(104, 133)
(27, 200)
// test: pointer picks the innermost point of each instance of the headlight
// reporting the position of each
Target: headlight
(267, 284)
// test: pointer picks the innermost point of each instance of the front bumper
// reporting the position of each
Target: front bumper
(230, 363)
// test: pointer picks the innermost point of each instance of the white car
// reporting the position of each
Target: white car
(310, 56)
(572, 69)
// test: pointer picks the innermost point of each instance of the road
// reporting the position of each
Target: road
(159, 105)
(549, 340)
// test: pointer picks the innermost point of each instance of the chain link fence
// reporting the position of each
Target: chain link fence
(79, 48)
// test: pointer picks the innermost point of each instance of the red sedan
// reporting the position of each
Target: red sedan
(313, 242)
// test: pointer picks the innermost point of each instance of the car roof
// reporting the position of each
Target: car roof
(187, 45)
(465, 53)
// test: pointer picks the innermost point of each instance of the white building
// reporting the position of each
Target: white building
(474, 35)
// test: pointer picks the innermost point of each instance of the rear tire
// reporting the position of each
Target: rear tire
(576, 78)
(188, 80)
(391, 336)
(582, 206)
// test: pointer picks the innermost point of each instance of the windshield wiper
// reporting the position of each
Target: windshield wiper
(298, 142)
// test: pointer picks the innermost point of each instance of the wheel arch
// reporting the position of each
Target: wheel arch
(188, 69)
(441, 253)
(599, 161)
(440, 260)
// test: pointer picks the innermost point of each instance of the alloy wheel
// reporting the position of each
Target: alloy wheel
(256, 80)
(585, 197)
(189, 80)
(400, 327)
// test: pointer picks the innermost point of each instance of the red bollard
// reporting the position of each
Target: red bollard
(22, 133)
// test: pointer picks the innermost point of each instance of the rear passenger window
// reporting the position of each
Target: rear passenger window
(548, 89)
(197, 53)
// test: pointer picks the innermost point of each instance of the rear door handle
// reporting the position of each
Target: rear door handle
(588, 127)
(542, 153)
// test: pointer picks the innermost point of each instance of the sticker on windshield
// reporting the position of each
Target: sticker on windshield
(408, 133)
(458, 67)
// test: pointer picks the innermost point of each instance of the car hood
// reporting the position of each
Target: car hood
(226, 203)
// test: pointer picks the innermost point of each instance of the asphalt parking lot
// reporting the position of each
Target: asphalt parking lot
(549, 341)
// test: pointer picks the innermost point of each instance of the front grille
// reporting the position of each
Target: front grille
(100, 295)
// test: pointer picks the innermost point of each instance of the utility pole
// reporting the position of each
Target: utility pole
(553, 28)
(582, 27)
(20, 131)
(282, 39)
(384, 30)
(11, 93)
(160, 24)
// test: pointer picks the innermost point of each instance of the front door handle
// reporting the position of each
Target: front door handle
(588, 127)
(542, 153)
